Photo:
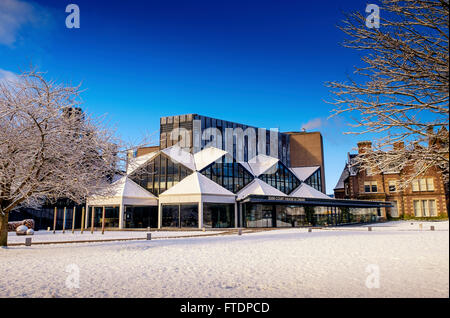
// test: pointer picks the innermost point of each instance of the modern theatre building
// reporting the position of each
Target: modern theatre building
(211, 173)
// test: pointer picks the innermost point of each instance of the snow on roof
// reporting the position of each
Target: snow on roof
(207, 156)
(246, 166)
(196, 183)
(306, 191)
(344, 175)
(122, 188)
(134, 163)
(261, 164)
(179, 155)
(257, 186)
(304, 173)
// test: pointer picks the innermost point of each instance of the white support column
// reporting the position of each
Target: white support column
(86, 221)
(159, 215)
(200, 214)
(235, 214)
(121, 215)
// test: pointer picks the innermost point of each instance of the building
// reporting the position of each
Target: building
(211, 173)
(426, 197)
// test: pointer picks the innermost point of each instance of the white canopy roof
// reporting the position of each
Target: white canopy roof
(134, 163)
(207, 156)
(257, 186)
(122, 191)
(179, 155)
(197, 183)
(261, 164)
(306, 191)
(304, 173)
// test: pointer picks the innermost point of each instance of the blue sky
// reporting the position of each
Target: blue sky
(262, 63)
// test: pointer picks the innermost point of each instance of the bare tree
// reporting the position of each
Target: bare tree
(49, 148)
(401, 93)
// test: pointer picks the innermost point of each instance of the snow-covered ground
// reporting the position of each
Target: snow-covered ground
(333, 262)
(48, 236)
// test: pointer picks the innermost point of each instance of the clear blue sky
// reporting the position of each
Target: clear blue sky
(262, 63)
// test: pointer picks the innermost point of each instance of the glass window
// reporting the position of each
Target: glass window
(189, 215)
(218, 215)
(160, 174)
(430, 184)
(415, 185)
(392, 186)
(170, 216)
(366, 186)
(432, 207)
(423, 185)
(417, 210)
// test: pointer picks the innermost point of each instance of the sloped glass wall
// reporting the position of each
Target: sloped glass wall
(229, 174)
(282, 179)
(160, 174)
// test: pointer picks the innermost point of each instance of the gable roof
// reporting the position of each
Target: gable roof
(196, 183)
(344, 175)
(257, 186)
(306, 191)
(120, 189)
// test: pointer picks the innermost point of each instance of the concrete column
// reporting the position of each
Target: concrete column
(159, 215)
(121, 215)
(86, 220)
(200, 214)
(236, 214)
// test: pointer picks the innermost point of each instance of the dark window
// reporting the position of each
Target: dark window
(160, 174)
(230, 175)
(282, 179)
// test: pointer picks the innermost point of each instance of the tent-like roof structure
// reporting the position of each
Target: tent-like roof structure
(261, 164)
(179, 155)
(196, 183)
(257, 186)
(134, 163)
(304, 173)
(306, 191)
(123, 191)
(207, 156)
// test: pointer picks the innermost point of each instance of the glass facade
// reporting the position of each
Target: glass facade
(160, 174)
(276, 215)
(217, 215)
(185, 136)
(315, 180)
(282, 179)
(230, 175)
(141, 216)
(184, 215)
(111, 216)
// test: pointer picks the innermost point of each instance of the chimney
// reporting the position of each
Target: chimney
(399, 145)
(363, 146)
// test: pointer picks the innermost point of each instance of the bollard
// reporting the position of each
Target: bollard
(432, 228)
(309, 230)
(204, 229)
(48, 229)
(28, 241)
(420, 226)
(369, 228)
(239, 231)
(149, 236)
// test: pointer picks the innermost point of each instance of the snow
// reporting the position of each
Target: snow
(329, 262)
(48, 236)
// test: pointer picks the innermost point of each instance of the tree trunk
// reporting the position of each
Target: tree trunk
(4, 229)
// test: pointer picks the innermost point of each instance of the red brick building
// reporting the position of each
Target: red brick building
(427, 196)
